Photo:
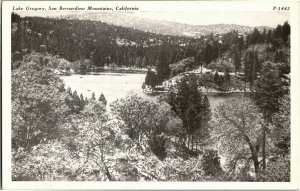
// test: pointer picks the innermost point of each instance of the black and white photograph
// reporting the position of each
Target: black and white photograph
(127, 92)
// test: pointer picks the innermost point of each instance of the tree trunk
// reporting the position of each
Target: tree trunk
(107, 173)
(264, 149)
(27, 137)
(264, 145)
(254, 155)
(256, 165)
(188, 141)
(245, 82)
(192, 143)
(139, 139)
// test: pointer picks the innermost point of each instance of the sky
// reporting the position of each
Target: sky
(246, 18)
(247, 13)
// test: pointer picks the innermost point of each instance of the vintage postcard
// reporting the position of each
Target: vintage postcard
(150, 95)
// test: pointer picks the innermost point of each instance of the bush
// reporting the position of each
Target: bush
(178, 169)
(182, 66)
(211, 163)
(50, 161)
(157, 146)
(278, 170)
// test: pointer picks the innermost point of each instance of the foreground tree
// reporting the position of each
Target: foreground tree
(97, 138)
(38, 104)
(141, 119)
(278, 167)
(193, 109)
(282, 131)
(237, 128)
(269, 88)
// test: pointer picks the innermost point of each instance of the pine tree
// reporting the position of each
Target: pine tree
(69, 91)
(76, 102)
(81, 98)
(208, 52)
(282, 122)
(279, 56)
(138, 62)
(263, 35)
(237, 62)
(269, 36)
(221, 82)
(82, 102)
(93, 98)
(144, 62)
(252, 67)
(199, 59)
(269, 88)
(151, 79)
(286, 32)
(192, 109)
(278, 37)
(181, 103)
(102, 99)
(15, 17)
(256, 37)
(216, 78)
(205, 117)
(227, 78)
(162, 67)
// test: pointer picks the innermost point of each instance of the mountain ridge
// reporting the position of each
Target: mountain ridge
(163, 27)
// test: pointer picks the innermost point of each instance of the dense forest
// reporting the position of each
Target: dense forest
(60, 135)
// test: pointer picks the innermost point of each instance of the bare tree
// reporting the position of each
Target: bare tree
(237, 126)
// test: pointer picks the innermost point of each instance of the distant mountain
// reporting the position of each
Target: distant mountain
(162, 27)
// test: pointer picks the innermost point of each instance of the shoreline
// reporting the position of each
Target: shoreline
(204, 93)
(99, 71)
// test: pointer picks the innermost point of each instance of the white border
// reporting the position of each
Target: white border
(154, 6)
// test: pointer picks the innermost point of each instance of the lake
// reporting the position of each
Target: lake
(112, 85)
(117, 85)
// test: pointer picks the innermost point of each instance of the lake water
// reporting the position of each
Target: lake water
(117, 85)
(112, 85)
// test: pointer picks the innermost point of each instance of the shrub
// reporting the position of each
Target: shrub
(278, 170)
(157, 146)
(211, 163)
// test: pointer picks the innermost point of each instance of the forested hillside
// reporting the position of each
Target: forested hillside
(100, 42)
(105, 44)
(232, 53)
